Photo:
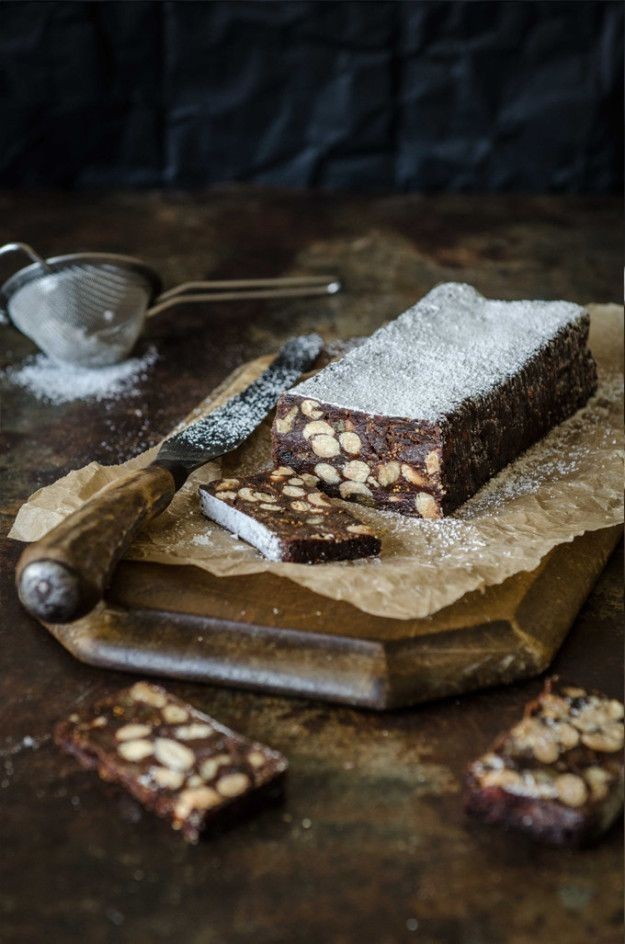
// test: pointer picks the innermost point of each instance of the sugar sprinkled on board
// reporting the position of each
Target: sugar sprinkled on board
(55, 382)
(451, 346)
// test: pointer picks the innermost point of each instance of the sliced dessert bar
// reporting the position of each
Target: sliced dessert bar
(287, 518)
(558, 774)
(432, 405)
(178, 762)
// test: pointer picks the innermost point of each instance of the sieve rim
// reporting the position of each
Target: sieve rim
(34, 271)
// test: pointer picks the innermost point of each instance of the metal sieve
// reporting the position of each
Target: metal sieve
(90, 308)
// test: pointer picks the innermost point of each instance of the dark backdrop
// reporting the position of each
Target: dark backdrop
(509, 95)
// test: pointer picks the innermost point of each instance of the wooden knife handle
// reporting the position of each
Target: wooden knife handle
(63, 576)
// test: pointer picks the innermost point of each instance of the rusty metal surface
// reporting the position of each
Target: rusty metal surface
(371, 843)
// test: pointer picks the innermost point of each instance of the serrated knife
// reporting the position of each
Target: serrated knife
(63, 576)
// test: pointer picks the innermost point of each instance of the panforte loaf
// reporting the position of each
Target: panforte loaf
(433, 404)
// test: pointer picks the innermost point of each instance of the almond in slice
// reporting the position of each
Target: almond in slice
(175, 714)
(231, 785)
(388, 473)
(166, 778)
(426, 506)
(135, 751)
(172, 754)
(143, 691)
(284, 424)
(317, 428)
(325, 446)
(311, 409)
(350, 442)
(356, 471)
(131, 732)
(293, 491)
(327, 473)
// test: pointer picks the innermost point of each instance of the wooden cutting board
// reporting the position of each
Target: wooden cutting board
(270, 634)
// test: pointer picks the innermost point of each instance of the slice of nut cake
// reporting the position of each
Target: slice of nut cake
(287, 518)
(178, 762)
(432, 405)
(557, 774)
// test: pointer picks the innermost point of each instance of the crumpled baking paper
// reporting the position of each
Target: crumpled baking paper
(568, 483)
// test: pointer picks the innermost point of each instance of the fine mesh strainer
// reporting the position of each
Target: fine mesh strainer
(89, 308)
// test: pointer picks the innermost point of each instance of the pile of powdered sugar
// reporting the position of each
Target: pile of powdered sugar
(56, 382)
(452, 345)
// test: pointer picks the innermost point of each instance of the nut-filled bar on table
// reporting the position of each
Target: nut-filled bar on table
(557, 775)
(177, 761)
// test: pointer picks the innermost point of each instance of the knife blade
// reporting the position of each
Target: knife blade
(62, 576)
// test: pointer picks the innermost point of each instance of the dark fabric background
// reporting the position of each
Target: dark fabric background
(511, 95)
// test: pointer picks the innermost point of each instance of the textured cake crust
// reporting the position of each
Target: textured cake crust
(558, 774)
(175, 760)
(428, 467)
(287, 518)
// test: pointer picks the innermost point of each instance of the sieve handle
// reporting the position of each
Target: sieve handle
(24, 247)
(63, 576)
(298, 286)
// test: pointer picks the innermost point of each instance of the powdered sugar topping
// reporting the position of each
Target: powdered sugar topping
(56, 382)
(453, 345)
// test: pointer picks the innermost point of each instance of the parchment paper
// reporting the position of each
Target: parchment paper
(568, 483)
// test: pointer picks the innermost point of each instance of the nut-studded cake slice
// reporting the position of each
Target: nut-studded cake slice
(432, 405)
(558, 774)
(287, 518)
(177, 761)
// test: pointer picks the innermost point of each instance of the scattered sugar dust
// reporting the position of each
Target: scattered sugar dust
(55, 382)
